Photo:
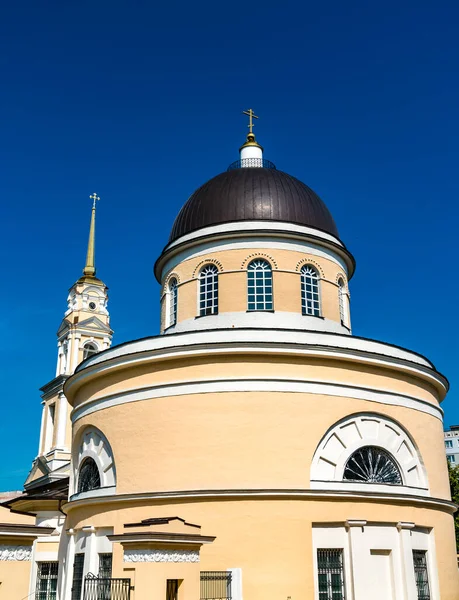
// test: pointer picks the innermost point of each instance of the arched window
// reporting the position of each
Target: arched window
(341, 297)
(260, 285)
(371, 464)
(89, 349)
(89, 476)
(310, 298)
(173, 293)
(208, 290)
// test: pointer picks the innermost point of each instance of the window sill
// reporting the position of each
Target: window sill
(314, 316)
(271, 310)
(209, 315)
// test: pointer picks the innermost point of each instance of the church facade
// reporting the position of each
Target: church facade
(256, 448)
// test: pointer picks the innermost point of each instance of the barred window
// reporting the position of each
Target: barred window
(421, 574)
(77, 579)
(46, 587)
(208, 290)
(89, 349)
(173, 293)
(330, 573)
(259, 285)
(372, 465)
(105, 564)
(89, 476)
(310, 299)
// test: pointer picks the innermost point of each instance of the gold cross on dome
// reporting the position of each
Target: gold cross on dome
(251, 116)
(94, 197)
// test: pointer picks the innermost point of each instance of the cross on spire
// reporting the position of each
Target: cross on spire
(251, 116)
(94, 197)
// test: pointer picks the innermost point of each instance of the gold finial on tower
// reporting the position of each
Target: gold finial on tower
(90, 266)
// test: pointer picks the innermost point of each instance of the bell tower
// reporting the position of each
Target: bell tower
(84, 330)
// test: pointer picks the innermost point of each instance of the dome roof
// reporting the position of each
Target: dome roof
(253, 194)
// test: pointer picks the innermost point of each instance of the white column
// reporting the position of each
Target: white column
(76, 347)
(69, 560)
(61, 422)
(42, 430)
(236, 583)
(59, 354)
(407, 566)
(90, 558)
(356, 529)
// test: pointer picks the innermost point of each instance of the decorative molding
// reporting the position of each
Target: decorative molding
(161, 556)
(255, 384)
(256, 255)
(168, 278)
(203, 263)
(309, 261)
(20, 553)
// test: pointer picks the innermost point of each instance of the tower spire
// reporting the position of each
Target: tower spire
(90, 266)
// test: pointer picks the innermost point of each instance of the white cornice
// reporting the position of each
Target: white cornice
(266, 494)
(255, 384)
(258, 341)
(263, 231)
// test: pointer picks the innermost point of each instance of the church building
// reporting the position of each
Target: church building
(256, 448)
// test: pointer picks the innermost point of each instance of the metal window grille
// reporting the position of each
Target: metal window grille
(89, 476)
(341, 293)
(260, 285)
(88, 350)
(208, 290)
(421, 574)
(77, 580)
(310, 299)
(172, 589)
(216, 585)
(46, 587)
(106, 588)
(330, 573)
(372, 465)
(105, 565)
(173, 293)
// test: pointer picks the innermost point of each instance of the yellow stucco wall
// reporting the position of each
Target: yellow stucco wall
(267, 537)
(14, 579)
(232, 265)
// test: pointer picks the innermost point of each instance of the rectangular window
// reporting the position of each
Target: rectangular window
(105, 565)
(77, 582)
(451, 458)
(421, 575)
(46, 587)
(172, 589)
(330, 574)
(449, 443)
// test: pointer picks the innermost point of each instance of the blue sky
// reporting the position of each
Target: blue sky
(141, 102)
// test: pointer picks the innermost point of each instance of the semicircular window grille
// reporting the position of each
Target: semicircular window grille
(89, 476)
(371, 464)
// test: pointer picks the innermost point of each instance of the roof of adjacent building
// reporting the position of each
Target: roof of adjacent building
(253, 194)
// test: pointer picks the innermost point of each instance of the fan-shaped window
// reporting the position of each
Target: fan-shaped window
(173, 293)
(260, 285)
(89, 476)
(310, 298)
(208, 290)
(372, 465)
(89, 349)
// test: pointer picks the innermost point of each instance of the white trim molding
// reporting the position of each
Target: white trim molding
(367, 429)
(161, 556)
(93, 444)
(244, 385)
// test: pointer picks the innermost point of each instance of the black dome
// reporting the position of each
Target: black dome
(252, 194)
